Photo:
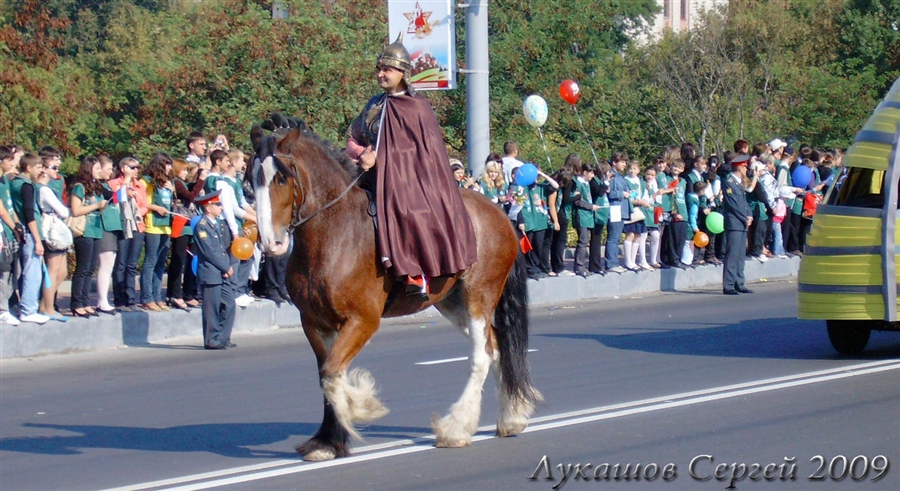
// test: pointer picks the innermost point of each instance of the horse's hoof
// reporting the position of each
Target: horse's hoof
(318, 455)
(317, 451)
(511, 430)
(452, 442)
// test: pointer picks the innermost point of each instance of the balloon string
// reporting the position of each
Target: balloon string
(540, 132)
(575, 108)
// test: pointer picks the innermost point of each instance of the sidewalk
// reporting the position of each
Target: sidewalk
(147, 329)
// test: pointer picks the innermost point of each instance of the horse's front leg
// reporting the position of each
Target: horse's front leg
(331, 439)
(349, 397)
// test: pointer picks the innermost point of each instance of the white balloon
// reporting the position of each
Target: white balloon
(535, 109)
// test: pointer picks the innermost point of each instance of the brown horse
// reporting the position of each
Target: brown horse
(307, 189)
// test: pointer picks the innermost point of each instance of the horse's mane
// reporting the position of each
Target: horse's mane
(283, 128)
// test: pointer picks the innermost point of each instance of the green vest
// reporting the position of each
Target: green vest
(8, 204)
(209, 186)
(161, 197)
(57, 186)
(534, 208)
(601, 216)
(238, 197)
(111, 216)
(679, 198)
(15, 190)
(93, 228)
(494, 194)
(662, 181)
(584, 218)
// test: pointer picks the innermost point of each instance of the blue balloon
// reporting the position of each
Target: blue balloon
(526, 174)
(802, 176)
(195, 221)
(194, 262)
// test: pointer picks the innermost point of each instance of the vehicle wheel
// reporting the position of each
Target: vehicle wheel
(849, 337)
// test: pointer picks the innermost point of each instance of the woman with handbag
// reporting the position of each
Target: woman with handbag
(57, 239)
(132, 209)
(86, 199)
(111, 220)
(180, 274)
(157, 229)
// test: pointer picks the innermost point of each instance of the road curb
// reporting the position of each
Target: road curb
(145, 329)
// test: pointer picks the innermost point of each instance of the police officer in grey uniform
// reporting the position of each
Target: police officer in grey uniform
(215, 273)
(737, 220)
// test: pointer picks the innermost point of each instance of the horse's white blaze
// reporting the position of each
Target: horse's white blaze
(456, 429)
(264, 205)
(354, 399)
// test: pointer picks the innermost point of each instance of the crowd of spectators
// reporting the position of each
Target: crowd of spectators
(129, 219)
(119, 221)
(631, 217)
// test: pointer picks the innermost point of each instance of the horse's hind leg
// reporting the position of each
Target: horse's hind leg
(456, 428)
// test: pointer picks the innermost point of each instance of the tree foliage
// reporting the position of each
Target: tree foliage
(135, 76)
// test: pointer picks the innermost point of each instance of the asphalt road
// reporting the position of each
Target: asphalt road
(675, 383)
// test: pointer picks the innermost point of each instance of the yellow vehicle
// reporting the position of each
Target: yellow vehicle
(848, 276)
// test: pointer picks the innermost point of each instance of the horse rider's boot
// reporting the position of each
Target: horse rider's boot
(417, 285)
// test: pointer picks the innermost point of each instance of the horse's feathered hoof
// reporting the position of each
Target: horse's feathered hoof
(452, 442)
(511, 430)
(315, 450)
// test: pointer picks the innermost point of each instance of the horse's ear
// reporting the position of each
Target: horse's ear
(256, 136)
(268, 147)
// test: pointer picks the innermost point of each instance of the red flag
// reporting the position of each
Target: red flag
(525, 244)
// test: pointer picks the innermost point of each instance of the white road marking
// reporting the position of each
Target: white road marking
(451, 360)
(269, 470)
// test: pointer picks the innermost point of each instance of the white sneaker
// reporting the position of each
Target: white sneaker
(782, 256)
(567, 273)
(35, 318)
(762, 258)
(243, 300)
(8, 318)
(618, 269)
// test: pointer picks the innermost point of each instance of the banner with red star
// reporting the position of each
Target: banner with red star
(428, 29)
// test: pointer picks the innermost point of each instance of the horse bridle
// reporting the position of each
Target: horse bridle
(296, 219)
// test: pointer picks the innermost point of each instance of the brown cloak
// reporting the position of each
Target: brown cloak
(423, 226)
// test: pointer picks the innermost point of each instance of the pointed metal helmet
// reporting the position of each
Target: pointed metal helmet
(396, 56)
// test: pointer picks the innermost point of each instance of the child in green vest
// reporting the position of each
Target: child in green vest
(636, 231)
(583, 209)
(25, 202)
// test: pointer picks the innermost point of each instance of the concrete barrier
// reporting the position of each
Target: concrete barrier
(145, 329)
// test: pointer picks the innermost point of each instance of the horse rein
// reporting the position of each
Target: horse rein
(296, 220)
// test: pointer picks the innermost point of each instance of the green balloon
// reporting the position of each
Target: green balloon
(715, 222)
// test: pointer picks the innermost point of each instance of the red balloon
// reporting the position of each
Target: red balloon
(569, 91)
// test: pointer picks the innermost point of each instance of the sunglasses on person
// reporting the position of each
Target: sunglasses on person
(133, 167)
(53, 167)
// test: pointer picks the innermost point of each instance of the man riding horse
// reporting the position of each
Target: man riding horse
(423, 229)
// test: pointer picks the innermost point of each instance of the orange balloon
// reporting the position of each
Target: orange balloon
(701, 239)
(251, 231)
(242, 248)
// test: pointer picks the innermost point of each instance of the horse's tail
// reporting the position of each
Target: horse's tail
(511, 329)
